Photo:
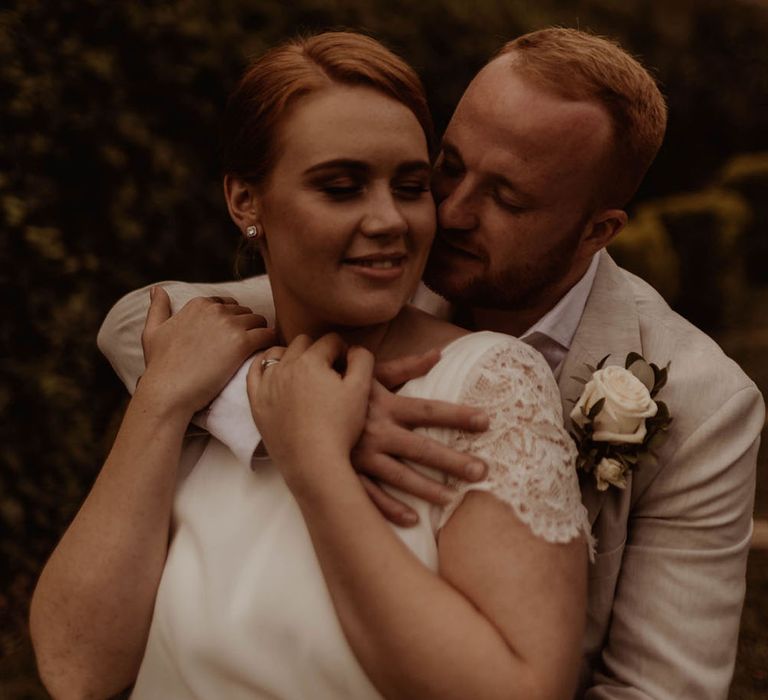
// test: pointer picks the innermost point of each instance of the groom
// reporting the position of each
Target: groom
(547, 145)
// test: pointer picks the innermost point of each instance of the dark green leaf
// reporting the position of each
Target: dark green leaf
(596, 408)
(632, 358)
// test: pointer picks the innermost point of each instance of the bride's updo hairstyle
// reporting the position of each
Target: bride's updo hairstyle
(262, 100)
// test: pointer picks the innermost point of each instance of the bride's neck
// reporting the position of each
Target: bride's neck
(374, 338)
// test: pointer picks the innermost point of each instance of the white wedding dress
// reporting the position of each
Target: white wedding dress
(242, 609)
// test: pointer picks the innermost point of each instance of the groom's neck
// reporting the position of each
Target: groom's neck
(513, 323)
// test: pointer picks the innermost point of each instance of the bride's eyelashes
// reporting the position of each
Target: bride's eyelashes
(412, 190)
(344, 190)
(341, 190)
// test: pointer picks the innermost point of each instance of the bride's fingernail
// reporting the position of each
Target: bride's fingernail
(410, 518)
(152, 293)
(474, 471)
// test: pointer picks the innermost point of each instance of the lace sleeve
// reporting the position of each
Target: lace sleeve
(530, 457)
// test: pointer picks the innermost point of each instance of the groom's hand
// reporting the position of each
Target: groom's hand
(388, 438)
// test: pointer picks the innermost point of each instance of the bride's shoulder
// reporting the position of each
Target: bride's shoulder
(419, 332)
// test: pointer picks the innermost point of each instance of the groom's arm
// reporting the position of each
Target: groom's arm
(229, 416)
(389, 432)
(674, 626)
(119, 337)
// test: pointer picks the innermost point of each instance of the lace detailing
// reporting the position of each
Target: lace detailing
(530, 457)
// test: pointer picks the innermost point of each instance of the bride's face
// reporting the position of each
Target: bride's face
(347, 212)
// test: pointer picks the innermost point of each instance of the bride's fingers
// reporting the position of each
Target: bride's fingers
(329, 348)
(360, 366)
(297, 347)
(270, 358)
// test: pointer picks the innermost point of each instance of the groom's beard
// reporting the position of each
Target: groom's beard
(467, 277)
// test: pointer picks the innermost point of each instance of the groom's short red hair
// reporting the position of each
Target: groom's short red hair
(581, 66)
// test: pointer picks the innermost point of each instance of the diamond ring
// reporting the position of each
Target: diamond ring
(268, 362)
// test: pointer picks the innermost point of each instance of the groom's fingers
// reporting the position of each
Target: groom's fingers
(396, 372)
(384, 438)
(392, 472)
(438, 414)
(390, 507)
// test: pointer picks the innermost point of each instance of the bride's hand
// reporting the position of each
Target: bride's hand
(191, 355)
(306, 410)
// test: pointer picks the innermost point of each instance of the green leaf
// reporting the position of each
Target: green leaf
(591, 369)
(632, 358)
(649, 459)
(661, 380)
(644, 372)
(657, 440)
(596, 408)
(602, 362)
(580, 380)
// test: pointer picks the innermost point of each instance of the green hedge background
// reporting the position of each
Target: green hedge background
(108, 181)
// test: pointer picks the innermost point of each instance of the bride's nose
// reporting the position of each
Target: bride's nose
(383, 216)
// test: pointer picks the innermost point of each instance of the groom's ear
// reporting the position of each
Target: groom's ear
(242, 201)
(602, 229)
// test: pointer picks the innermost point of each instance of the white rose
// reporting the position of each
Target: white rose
(610, 471)
(627, 404)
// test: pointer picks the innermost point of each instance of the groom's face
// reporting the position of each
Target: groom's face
(516, 184)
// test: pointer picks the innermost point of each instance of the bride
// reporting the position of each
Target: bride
(188, 574)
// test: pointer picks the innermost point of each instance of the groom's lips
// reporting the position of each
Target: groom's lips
(444, 242)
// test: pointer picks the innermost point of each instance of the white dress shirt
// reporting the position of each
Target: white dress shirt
(553, 333)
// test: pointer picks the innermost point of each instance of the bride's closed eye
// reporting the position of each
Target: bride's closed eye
(340, 190)
(411, 189)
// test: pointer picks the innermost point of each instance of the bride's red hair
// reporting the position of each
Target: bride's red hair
(262, 99)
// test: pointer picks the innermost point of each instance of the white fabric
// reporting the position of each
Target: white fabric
(553, 333)
(229, 418)
(242, 610)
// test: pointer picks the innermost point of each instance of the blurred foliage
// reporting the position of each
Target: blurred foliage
(108, 180)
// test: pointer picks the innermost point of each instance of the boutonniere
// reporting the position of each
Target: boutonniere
(616, 420)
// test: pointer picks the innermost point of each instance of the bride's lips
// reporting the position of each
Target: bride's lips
(379, 266)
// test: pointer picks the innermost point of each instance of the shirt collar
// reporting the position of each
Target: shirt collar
(561, 321)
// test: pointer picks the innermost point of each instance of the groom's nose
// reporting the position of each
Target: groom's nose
(457, 207)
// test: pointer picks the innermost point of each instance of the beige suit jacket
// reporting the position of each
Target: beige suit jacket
(667, 586)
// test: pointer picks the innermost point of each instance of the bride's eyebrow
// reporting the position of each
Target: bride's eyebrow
(338, 164)
(414, 167)
(409, 167)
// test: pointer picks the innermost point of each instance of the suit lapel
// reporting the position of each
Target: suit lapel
(609, 325)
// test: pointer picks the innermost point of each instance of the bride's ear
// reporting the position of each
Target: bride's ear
(242, 202)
